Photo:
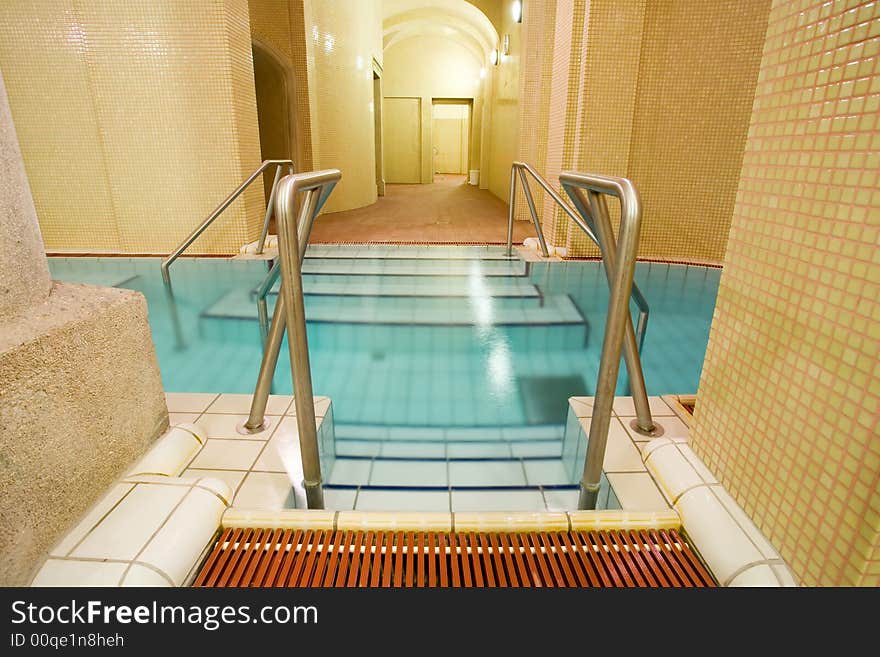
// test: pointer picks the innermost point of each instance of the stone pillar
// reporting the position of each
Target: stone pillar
(24, 272)
(80, 392)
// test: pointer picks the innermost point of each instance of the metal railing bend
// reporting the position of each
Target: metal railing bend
(289, 313)
(587, 192)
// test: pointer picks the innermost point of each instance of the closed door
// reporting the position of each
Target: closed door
(401, 139)
(450, 137)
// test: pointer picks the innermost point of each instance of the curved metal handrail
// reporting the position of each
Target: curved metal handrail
(584, 190)
(262, 290)
(194, 235)
(524, 167)
(289, 314)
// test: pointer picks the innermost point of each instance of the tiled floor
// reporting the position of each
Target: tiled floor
(445, 211)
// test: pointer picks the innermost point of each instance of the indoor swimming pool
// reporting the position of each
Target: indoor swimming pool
(449, 370)
(419, 336)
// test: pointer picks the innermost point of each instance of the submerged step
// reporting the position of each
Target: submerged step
(448, 473)
(450, 311)
(415, 266)
(473, 449)
(411, 433)
(415, 286)
(409, 251)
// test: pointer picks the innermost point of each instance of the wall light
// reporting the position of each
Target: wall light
(516, 10)
(482, 72)
(493, 57)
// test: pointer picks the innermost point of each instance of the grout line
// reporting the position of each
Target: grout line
(134, 562)
(103, 517)
(154, 534)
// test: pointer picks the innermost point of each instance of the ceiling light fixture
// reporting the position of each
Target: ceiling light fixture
(516, 10)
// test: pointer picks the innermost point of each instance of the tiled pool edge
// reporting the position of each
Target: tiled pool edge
(733, 547)
(153, 526)
(669, 486)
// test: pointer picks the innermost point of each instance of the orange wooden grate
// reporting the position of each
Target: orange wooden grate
(335, 558)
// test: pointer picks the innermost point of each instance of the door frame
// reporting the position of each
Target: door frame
(442, 100)
(378, 146)
(421, 131)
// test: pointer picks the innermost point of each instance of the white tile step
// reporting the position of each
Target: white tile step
(415, 286)
(556, 310)
(412, 433)
(453, 473)
(415, 266)
(467, 449)
(422, 252)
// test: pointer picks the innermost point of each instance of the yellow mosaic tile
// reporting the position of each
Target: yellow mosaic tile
(135, 120)
(699, 67)
(789, 401)
(657, 92)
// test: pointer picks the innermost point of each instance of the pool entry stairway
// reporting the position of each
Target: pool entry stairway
(466, 298)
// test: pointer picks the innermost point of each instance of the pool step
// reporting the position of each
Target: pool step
(453, 311)
(388, 323)
(448, 473)
(416, 266)
(475, 449)
(450, 434)
(373, 285)
(409, 251)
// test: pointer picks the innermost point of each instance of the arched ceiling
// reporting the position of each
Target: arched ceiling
(453, 19)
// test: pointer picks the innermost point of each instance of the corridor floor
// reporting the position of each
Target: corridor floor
(445, 211)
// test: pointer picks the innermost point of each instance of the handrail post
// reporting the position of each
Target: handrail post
(270, 205)
(256, 421)
(510, 209)
(621, 283)
(534, 212)
(295, 316)
(644, 421)
(289, 315)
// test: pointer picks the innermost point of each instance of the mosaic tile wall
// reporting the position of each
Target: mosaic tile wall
(571, 17)
(788, 412)
(633, 94)
(279, 24)
(607, 100)
(699, 65)
(135, 120)
(536, 71)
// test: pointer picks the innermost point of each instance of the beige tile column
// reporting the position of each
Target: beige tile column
(24, 272)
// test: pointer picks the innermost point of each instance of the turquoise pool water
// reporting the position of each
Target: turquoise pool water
(420, 336)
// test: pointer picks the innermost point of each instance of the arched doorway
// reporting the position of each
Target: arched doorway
(274, 107)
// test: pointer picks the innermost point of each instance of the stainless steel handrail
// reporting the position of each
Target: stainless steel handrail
(293, 235)
(265, 286)
(522, 168)
(621, 269)
(202, 227)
